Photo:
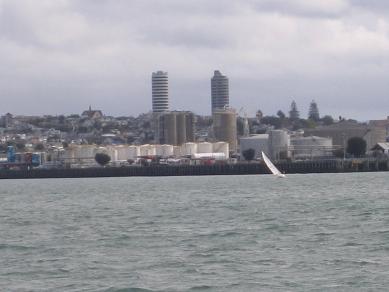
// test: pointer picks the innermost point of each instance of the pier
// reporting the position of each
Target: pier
(296, 167)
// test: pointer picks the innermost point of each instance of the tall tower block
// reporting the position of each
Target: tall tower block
(220, 96)
(160, 91)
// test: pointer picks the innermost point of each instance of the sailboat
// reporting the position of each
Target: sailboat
(271, 166)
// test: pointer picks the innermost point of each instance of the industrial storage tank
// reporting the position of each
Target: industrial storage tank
(158, 150)
(113, 153)
(224, 128)
(221, 147)
(311, 147)
(188, 148)
(177, 151)
(133, 152)
(181, 127)
(70, 152)
(279, 142)
(204, 147)
(164, 150)
(147, 150)
(167, 150)
(168, 128)
(122, 152)
(85, 151)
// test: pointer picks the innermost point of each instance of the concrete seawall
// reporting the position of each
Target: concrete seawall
(325, 166)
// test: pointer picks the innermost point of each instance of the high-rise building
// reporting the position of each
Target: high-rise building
(160, 91)
(219, 92)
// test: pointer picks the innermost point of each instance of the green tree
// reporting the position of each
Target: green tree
(249, 154)
(294, 114)
(281, 114)
(102, 158)
(39, 147)
(271, 120)
(356, 146)
(327, 120)
(313, 113)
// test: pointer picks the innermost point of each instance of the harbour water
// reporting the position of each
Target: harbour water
(319, 232)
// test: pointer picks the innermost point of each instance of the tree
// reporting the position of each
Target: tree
(294, 114)
(249, 154)
(327, 120)
(39, 147)
(271, 120)
(102, 158)
(313, 113)
(356, 146)
(281, 114)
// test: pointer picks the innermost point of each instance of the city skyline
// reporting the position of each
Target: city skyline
(61, 56)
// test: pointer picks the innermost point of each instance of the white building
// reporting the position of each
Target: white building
(311, 147)
(257, 142)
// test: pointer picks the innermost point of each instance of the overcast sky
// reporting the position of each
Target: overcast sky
(60, 56)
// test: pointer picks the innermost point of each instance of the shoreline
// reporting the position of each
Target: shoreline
(296, 167)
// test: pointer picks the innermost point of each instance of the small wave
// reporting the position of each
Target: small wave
(15, 247)
(350, 244)
(324, 234)
(201, 288)
(130, 289)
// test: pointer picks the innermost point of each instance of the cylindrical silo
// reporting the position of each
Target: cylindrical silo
(224, 128)
(133, 152)
(181, 128)
(221, 147)
(167, 150)
(177, 152)
(123, 152)
(188, 148)
(169, 129)
(279, 142)
(147, 150)
(204, 147)
(113, 153)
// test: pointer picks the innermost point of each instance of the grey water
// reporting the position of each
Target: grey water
(319, 232)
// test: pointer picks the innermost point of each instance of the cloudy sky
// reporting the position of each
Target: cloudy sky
(58, 57)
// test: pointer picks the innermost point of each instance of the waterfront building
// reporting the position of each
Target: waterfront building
(341, 132)
(220, 97)
(258, 143)
(311, 147)
(160, 91)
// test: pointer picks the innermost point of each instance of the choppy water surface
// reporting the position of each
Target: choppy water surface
(226, 233)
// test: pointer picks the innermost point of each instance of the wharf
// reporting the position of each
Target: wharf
(244, 168)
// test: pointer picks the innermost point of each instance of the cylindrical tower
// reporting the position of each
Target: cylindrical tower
(160, 91)
(224, 128)
(181, 128)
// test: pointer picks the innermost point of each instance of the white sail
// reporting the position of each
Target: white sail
(271, 166)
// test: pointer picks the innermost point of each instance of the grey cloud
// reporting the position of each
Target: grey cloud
(303, 8)
(60, 56)
(377, 6)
